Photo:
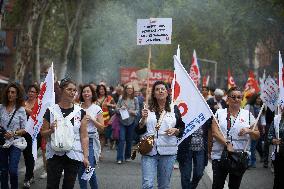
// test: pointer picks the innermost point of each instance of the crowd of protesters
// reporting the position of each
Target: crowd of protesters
(98, 122)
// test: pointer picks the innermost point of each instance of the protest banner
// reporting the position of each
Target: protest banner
(269, 93)
(150, 32)
(154, 31)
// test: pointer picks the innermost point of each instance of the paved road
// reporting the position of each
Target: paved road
(128, 175)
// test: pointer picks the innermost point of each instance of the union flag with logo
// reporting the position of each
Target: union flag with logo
(193, 107)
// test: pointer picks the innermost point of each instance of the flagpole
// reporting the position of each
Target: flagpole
(255, 123)
(148, 76)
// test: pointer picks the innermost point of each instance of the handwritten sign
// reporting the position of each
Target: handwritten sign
(154, 31)
(269, 93)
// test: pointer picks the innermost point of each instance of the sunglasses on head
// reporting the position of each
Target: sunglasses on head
(239, 97)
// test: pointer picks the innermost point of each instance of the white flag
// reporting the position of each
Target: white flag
(46, 98)
(193, 107)
(178, 53)
(281, 83)
(194, 71)
(174, 79)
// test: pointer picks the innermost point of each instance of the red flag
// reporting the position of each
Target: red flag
(251, 87)
(194, 72)
(252, 84)
(205, 81)
(231, 81)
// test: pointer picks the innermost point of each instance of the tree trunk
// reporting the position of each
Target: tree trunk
(78, 54)
(24, 50)
(38, 32)
(71, 26)
(24, 46)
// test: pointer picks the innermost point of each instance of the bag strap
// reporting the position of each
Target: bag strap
(74, 112)
(229, 125)
(157, 127)
(56, 109)
(11, 118)
(102, 102)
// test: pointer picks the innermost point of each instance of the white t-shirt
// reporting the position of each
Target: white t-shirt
(244, 119)
(93, 111)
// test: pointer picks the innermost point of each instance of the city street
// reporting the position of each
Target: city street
(128, 175)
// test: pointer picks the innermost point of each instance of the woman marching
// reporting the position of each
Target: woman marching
(33, 91)
(276, 137)
(13, 120)
(95, 123)
(233, 132)
(130, 104)
(107, 103)
(69, 161)
(165, 124)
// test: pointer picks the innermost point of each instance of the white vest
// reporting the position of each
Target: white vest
(242, 121)
(163, 144)
(76, 153)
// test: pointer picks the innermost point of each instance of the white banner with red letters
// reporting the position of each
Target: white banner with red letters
(46, 98)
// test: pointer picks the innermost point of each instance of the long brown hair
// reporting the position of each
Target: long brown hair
(154, 106)
(124, 95)
(20, 95)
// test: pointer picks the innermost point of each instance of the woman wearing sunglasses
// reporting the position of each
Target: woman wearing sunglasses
(233, 131)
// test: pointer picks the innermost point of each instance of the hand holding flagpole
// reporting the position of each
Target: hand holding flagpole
(255, 123)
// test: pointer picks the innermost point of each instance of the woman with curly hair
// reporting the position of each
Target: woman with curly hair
(163, 121)
(13, 120)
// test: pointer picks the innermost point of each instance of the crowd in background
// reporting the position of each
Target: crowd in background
(101, 107)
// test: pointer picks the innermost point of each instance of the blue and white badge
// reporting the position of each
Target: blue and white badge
(88, 173)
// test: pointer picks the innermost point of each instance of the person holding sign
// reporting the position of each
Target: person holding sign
(164, 123)
(128, 109)
(232, 134)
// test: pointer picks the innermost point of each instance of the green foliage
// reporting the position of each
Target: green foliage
(14, 17)
(221, 30)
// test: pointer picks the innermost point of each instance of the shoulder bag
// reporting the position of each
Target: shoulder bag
(235, 162)
(146, 143)
(3, 131)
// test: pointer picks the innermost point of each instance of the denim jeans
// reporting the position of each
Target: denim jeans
(93, 180)
(160, 165)
(255, 146)
(186, 169)
(9, 161)
(125, 136)
(54, 168)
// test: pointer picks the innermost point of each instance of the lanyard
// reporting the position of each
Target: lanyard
(229, 122)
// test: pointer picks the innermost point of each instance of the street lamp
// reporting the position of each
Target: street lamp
(215, 67)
